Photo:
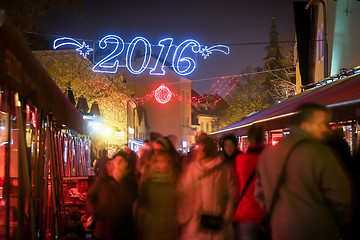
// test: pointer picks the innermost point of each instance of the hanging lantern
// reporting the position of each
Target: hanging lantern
(163, 94)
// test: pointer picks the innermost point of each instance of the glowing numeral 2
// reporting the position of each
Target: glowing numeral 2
(101, 66)
(181, 64)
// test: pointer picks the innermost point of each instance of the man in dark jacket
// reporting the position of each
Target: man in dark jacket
(100, 163)
(314, 199)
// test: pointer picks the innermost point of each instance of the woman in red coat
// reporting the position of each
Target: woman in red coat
(248, 213)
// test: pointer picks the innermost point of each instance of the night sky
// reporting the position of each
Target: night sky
(233, 23)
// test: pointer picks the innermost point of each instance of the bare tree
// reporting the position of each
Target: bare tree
(283, 80)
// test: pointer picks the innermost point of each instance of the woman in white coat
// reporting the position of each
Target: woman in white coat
(206, 192)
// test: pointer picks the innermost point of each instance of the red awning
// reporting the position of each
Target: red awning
(342, 96)
(20, 71)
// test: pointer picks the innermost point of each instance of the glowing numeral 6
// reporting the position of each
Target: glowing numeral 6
(101, 66)
(130, 52)
(177, 58)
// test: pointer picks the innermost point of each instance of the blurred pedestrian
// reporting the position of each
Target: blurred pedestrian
(314, 196)
(153, 136)
(143, 158)
(248, 213)
(189, 157)
(342, 151)
(100, 163)
(355, 175)
(341, 148)
(162, 144)
(111, 198)
(131, 156)
(156, 209)
(206, 194)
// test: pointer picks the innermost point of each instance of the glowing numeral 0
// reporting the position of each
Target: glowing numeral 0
(102, 66)
(177, 58)
(130, 52)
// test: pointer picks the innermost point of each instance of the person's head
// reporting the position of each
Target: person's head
(229, 145)
(161, 144)
(153, 136)
(173, 139)
(119, 164)
(160, 162)
(314, 118)
(102, 153)
(256, 134)
(205, 147)
(146, 144)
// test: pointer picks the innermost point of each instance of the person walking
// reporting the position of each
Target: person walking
(111, 198)
(100, 163)
(156, 205)
(248, 213)
(314, 195)
(206, 193)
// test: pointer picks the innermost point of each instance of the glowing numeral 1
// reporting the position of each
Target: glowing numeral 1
(177, 58)
(147, 55)
(157, 70)
(102, 66)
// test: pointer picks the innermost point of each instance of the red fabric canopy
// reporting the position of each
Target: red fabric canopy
(342, 96)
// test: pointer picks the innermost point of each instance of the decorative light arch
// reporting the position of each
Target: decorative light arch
(183, 62)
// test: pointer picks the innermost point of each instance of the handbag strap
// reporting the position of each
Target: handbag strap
(280, 181)
(247, 184)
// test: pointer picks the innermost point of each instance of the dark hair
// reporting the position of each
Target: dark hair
(121, 153)
(230, 137)
(306, 111)
(210, 147)
(165, 143)
(103, 151)
(256, 133)
(153, 136)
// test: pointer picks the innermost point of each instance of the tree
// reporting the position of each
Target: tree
(281, 74)
(68, 68)
(247, 98)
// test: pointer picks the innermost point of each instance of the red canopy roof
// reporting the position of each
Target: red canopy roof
(342, 96)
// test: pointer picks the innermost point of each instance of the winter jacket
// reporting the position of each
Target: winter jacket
(156, 209)
(205, 189)
(248, 209)
(111, 203)
(315, 196)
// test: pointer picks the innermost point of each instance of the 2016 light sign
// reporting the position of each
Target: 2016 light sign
(181, 63)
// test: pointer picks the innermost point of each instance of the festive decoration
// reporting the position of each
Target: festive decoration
(183, 62)
(101, 66)
(163, 94)
(83, 49)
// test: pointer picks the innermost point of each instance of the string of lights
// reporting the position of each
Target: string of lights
(163, 94)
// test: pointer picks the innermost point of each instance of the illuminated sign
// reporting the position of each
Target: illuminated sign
(107, 55)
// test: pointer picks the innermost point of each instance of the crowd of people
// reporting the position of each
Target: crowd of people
(306, 186)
